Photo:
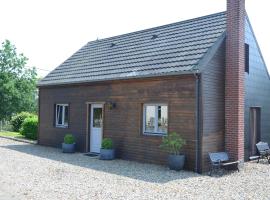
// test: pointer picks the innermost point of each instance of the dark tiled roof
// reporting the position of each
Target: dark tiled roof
(174, 48)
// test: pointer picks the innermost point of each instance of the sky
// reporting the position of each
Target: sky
(50, 31)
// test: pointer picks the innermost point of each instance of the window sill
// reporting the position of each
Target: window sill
(61, 126)
(154, 134)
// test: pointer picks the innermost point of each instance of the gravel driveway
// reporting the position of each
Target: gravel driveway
(35, 172)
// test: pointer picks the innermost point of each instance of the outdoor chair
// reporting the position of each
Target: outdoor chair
(264, 151)
(220, 160)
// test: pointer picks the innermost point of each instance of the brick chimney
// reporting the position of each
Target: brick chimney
(234, 79)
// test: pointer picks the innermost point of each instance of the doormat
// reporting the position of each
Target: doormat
(92, 154)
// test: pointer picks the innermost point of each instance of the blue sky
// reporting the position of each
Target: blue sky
(49, 31)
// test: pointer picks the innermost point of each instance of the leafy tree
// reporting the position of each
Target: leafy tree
(17, 82)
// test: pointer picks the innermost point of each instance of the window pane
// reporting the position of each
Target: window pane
(66, 116)
(162, 119)
(150, 118)
(97, 117)
(247, 58)
(60, 114)
(56, 114)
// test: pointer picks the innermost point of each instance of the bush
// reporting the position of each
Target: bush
(17, 120)
(30, 127)
(172, 143)
(69, 139)
(107, 143)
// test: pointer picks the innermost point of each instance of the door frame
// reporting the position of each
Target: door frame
(88, 122)
(258, 122)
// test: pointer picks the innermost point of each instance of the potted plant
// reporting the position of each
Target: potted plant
(68, 146)
(172, 143)
(107, 150)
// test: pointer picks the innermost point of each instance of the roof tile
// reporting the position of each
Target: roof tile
(177, 49)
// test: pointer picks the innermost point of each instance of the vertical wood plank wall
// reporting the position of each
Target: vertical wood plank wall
(213, 121)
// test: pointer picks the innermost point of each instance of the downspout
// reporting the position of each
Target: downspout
(197, 123)
(38, 133)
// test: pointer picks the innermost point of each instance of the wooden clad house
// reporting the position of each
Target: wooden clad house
(204, 78)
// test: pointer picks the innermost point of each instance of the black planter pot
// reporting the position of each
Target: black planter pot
(176, 162)
(68, 148)
(107, 154)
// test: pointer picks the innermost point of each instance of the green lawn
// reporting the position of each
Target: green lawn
(11, 134)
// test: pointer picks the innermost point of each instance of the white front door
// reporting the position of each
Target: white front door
(96, 127)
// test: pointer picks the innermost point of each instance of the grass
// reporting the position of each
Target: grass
(9, 134)
(12, 134)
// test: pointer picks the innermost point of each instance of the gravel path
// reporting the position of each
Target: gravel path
(34, 172)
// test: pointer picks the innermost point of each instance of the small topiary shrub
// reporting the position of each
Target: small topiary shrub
(69, 139)
(30, 127)
(17, 120)
(107, 143)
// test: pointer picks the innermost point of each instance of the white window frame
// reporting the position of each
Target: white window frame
(63, 116)
(156, 119)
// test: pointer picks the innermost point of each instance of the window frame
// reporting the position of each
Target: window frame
(155, 133)
(247, 58)
(65, 106)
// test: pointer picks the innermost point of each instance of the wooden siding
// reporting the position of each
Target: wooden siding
(123, 123)
(257, 89)
(212, 112)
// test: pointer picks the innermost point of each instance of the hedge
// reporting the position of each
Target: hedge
(30, 128)
(17, 120)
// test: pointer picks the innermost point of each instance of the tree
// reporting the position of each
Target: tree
(17, 82)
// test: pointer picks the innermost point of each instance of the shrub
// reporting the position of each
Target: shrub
(30, 127)
(17, 120)
(172, 143)
(69, 139)
(107, 143)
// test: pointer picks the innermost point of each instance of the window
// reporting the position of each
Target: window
(61, 115)
(155, 119)
(97, 117)
(247, 58)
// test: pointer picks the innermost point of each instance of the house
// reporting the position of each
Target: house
(204, 78)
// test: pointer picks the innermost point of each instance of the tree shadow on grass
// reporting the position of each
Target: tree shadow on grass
(139, 171)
